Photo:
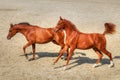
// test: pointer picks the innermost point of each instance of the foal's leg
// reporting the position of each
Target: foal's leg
(61, 53)
(66, 52)
(33, 48)
(24, 49)
(110, 56)
(100, 55)
(69, 56)
(62, 46)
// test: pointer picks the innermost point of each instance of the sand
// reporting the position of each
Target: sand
(88, 15)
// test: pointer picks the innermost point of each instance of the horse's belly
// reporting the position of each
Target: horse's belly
(84, 45)
(43, 40)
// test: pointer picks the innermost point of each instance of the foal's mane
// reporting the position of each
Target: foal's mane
(24, 23)
(71, 25)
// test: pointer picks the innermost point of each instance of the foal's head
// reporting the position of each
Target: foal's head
(60, 25)
(65, 24)
(15, 28)
(12, 31)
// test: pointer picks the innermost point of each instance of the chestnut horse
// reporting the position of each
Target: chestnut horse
(35, 34)
(76, 39)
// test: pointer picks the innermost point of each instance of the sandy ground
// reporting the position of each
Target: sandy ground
(88, 16)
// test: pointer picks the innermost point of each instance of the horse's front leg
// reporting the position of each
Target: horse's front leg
(69, 56)
(61, 53)
(33, 48)
(65, 56)
(24, 48)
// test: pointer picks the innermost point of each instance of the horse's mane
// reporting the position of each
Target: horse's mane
(24, 23)
(72, 26)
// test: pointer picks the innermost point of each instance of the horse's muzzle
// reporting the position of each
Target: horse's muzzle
(8, 37)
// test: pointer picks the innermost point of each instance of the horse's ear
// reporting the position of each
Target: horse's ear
(61, 18)
(11, 25)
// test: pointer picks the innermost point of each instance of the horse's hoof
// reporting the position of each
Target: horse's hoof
(64, 68)
(31, 59)
(111, 64)
(53, 63)
(26, 56)
(97, 65)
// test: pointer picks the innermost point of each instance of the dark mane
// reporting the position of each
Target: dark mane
(72, 26)
(24, 23)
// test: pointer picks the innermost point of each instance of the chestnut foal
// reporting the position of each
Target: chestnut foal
(76, 39)
(35, 34)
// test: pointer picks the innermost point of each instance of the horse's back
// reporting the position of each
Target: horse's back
(43, 35)
(86, 41)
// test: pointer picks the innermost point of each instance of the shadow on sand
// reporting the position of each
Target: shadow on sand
(82, 60)
(49, 54)
(42, 54)
(78, 60)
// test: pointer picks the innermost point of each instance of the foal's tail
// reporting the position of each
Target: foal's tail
(109, 28)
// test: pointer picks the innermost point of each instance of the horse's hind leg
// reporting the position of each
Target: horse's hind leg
(33, 48)
(100, 55)
(24, 49)
(110, 56)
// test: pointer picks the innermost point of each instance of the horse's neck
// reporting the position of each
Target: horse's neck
(69, 31)
(23, 29)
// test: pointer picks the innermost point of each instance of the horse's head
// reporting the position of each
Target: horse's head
(12, 31)
(60, 25)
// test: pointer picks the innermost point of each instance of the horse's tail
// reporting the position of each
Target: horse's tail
(109, 28)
